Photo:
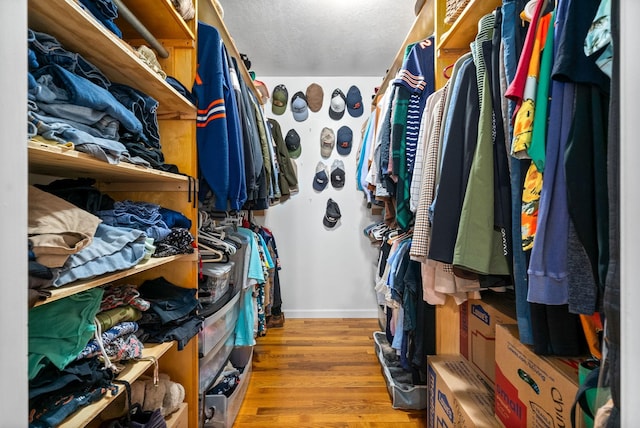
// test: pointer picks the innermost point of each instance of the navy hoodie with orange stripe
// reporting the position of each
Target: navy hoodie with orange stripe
(218, 132)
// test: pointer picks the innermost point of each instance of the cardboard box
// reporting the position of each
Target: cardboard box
(458, 396)
(531, 390)
(478, 320)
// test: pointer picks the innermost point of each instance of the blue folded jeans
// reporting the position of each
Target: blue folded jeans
(104, 11)
(72, 89)
(48, 50)
(143, 107)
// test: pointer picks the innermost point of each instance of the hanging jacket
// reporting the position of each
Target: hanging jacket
(253, 159)
(287, 178)
(218, 135)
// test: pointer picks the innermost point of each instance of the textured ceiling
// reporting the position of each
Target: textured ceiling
(319, 38)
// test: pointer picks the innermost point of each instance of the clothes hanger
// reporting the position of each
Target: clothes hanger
(446, 69)
(530, 7)
(216, 242)
(208, 254)
(208, 251)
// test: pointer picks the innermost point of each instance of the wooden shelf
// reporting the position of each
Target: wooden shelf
(178, 419)
(208, 14)
(79, 32)
(464, 30)
(159, 17)
(78, 286)
(59, 161)
(421, 29)
(133, 371)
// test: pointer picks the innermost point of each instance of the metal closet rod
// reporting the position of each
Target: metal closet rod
(140, 28)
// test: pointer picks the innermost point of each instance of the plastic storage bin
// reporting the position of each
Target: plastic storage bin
(218, 326)
(216, 282)
(404, 394)
(212, 363)
(220, 411)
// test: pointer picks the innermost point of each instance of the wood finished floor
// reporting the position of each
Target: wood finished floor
(320, 373)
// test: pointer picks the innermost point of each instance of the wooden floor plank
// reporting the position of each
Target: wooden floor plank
(320, 373)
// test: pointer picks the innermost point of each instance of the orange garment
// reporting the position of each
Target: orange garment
(523, 131)
(523, 124)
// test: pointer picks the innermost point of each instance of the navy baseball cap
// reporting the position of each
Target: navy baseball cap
(354, 102)
(344, 140)
(332, 214)
(321, 179)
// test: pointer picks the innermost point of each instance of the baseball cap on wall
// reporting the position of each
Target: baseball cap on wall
(327, 141)
(354, 102)
(321, 178)
(292, 140)
(344, 140)
(315, 94)
(337, 105)
(279, 99)
(337, 174)
(262, 88)
(332, 214)
(299, 107)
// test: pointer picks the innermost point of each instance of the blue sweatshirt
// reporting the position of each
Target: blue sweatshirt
(219, 140)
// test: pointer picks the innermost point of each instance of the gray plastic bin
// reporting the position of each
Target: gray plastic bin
(403, 393)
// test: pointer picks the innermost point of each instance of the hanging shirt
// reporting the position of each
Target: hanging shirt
(416, 76)
(255, 272)
(422, 228)
(427, 125)
(460, 144)
(523, 124)
(516, 89)
(479, 245)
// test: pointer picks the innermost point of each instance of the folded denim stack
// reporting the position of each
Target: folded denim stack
(71, 101)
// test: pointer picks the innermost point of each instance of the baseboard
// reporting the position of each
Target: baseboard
(331, 313)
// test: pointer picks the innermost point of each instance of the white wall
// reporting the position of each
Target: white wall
(13, 214)
(629, 206)
(326, 273)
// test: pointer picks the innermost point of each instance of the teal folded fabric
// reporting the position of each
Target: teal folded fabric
(59, 330)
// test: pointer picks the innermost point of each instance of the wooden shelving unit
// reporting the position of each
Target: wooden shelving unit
(465, 28)
(132, 371)
(60, 161)
(159, 17)
(77, 30)
(451, 42)
(454, 40)
(176, 419)
(78, 286)
(207, 13)
(422, 28)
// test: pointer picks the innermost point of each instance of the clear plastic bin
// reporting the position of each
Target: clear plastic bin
(216, 282)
